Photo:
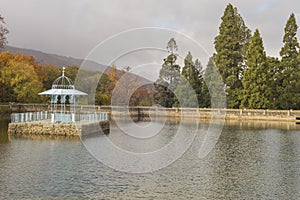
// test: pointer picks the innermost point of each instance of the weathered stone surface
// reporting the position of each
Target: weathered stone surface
(90, 128)
(49, 129)
(206, 113)
(42, 129)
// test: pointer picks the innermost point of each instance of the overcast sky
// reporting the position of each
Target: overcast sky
(75, 27)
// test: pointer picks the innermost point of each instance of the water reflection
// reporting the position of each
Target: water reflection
(44, 137)
(141, 144)
(255, 124)
(132, 152)
(255, 163)
(250, 161)
(4, 119)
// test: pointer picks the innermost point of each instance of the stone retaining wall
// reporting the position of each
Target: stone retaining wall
(96, 127)
(202, 113)
(49, 129)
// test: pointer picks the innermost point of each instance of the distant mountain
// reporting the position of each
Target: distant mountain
(57, 60)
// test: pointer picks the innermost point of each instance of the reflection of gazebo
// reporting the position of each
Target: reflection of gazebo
(63, 97)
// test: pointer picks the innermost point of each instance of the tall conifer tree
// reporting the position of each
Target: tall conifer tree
(191, 74)
(288, 77)
(200, 86)
(169, 76)
(273, 71)
(257, 91)
(213, 88)
(231, 45)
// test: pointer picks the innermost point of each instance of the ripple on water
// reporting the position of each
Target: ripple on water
(260, 163)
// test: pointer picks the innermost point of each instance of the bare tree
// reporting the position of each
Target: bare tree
(3, 32)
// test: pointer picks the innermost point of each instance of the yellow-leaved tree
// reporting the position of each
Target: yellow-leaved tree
(22, 80)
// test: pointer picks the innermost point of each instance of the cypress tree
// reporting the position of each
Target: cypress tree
(200, 85)
(213, 87)
(231, 45)
(273, 71)
(199, 69)
(187, 70)
(288, 76)
(257, 92)
(207, 78)
(191, 74)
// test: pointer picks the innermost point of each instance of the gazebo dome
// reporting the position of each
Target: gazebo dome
(63, 82)
(62, 86)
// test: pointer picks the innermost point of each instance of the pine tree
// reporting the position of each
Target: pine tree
(206, 103)
(200, 85)
(273, 70)
(213, 89)
(189, 87)
(288, 77)
(192, 72)
(257, 90)
(231, 45)
(189, 67)
(169, 76)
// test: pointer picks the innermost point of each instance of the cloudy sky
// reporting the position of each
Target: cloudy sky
(75, 27)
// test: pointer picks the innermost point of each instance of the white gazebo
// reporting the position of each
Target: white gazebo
(63, 98)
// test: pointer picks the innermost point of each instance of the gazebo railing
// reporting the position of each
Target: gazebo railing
(29, 116)
(90, 117)
(59, 117)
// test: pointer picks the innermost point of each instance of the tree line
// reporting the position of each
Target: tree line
(22, 79)
(251, 79)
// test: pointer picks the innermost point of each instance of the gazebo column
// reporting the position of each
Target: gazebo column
(52, 118)
(71, 101)
(73, 117)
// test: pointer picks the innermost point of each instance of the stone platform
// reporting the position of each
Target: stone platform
(45, 128)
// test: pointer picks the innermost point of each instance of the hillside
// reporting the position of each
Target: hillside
(53, 59)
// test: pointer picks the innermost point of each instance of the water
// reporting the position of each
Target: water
(4, 119)
(250, 160)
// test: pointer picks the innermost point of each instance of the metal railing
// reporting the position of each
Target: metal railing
(29, 116)
(59, 117)
(91, 117)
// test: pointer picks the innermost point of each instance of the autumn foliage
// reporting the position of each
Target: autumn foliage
(22, 78)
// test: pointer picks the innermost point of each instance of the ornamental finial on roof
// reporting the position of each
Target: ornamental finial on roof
(63, 71)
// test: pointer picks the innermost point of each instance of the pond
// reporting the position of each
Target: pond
(250, 160)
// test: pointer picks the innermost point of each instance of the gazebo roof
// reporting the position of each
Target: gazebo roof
(63, 92)
(63, 86)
